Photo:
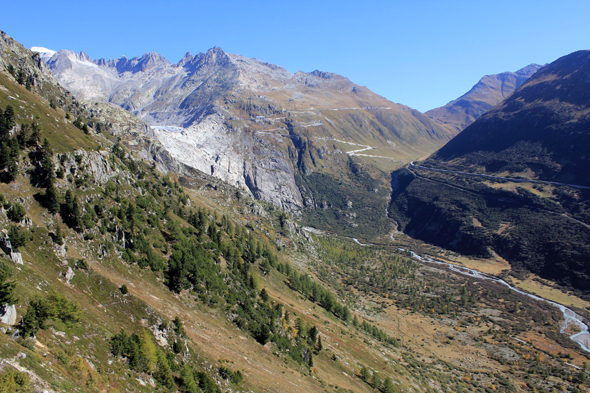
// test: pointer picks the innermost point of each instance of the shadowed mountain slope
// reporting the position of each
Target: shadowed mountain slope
(540, 133)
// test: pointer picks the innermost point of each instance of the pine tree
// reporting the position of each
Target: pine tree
(59, 237)
(365, 375)
(187, 380)
(7, 296)
(319, 345)
(29, 324)
(376, 380)
(35, 136)
(149, 352)
(163, 374)
(388, 386)
(178, 326)
(52, 197)
(20, 77)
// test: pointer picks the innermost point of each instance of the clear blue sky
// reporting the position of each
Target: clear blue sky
(419, 53)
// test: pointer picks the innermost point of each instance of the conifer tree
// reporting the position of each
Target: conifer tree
(376, 380)
(388, 386)
(365, 375)
(163, 374)
(149, 352)
(187, 380)
(7, 296)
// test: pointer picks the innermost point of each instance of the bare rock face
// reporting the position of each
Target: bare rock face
(69, 274)
(6, 246)
(97, 163)
(249, 123)
(9, 316)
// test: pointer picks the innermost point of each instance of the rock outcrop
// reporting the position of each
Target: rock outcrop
(6, 246)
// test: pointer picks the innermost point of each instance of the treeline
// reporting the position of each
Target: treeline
(316, 293)
(144, 356)
(374, 331)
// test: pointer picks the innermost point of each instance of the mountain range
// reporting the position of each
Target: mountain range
(238, 118)
(488, 92)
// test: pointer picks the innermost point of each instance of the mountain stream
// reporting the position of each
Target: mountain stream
(582, 338)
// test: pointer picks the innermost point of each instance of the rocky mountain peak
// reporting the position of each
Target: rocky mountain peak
(486, 93)
(83, 56)
(141, 64)
(187, 58)
(322, 74)
(216, 56)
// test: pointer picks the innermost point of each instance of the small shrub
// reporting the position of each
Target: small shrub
(124, 289)
(26, 342)
(81, 264)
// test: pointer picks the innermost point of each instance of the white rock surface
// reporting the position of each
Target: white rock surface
(9, 316)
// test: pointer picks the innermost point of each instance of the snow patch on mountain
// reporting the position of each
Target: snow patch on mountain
(45, 53)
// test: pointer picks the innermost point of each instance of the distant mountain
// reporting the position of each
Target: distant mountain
(280, 136)
(489, 91)
(542, 133)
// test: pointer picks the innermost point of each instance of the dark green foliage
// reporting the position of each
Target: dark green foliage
(58, 237)
(235, 377)
(13, 381)
(72, 211)
(30, 324)
(130, 347)
(177, 346)
(187, 380)
(11, 70)
(54, 307)
(178, 328)
(52, 198)
(9, 147)
(78, 122)
(35, 136)
(333, 195)
(18, 236)
(7, 296)
(163, 374)
(264, 295)
(124, 289)
(21, 77)
(82, 264)
(16, 213)
(365, 374)
(7, 122)
(378, 333)
(207, 384)
(376, 381)
(42, 158)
